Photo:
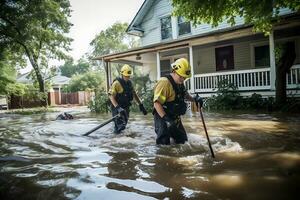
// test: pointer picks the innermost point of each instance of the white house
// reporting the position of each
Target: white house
(234, 53)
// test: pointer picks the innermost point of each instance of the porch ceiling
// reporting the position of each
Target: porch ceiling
(136, 59)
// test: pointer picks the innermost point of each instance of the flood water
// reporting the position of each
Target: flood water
(257, 157)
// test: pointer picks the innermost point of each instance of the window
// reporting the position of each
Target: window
(224, 58)
(166, 28)
(262, 56)
(165, 67)
(184, 27)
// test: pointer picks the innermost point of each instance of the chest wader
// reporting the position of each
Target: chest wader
(124, 100)
(173, 109)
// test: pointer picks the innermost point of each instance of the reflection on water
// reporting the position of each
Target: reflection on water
(257, 157)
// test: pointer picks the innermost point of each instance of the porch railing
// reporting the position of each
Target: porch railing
(244, 80)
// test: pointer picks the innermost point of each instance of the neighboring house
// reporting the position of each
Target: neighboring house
(24, 78)
(57, 81)
(236, 53)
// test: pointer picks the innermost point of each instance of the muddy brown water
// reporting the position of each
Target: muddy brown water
(257, 157)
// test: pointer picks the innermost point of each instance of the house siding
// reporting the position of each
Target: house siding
(204, 56)
(242, 58)
(205, 61)
(151, 22)
(205, 28)
(160, 8)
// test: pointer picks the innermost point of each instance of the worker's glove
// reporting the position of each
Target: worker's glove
(120, 110)
(169, 122)
(142, 109)
(198, 100)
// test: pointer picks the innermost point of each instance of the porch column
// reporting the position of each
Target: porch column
(272, 61)
(192, 69)
(109, 73)
(59, 95)
(105, 65)
(158, 65)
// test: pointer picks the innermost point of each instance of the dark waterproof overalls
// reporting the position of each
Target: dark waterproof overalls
(124, 100)
(173, 109)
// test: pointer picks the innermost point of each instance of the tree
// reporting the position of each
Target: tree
(35, 29)
(112, 40)
(87, 81)
(7, 72)
(69, 68)
(262, 14)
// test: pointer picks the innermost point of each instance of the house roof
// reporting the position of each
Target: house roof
(59, 80)
(134, 27)
(24, 78)
(55, 80)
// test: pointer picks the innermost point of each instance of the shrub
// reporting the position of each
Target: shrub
(100, 103)
(227, 97)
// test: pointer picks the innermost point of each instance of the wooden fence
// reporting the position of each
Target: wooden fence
(79, 98)
(54, 98)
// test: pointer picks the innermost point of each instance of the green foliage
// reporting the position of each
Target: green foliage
(113, 39)
(227, 97)
(147, 100)
(88, 81)
(144, 88)
(256, 102)
(100, 104)
(7, 75)
(257, 12)
(69, 68)
(35, 29)
(16, 89)
(27, 92)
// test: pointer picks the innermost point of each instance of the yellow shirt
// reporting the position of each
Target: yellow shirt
(116, 88)
(163, 91)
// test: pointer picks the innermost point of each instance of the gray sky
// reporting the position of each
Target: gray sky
(92, 16)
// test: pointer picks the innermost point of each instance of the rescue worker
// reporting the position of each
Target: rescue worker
(121, 95)
(169, 103)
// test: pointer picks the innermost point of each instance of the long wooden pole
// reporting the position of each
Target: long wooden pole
(208, 140)
(101, 125)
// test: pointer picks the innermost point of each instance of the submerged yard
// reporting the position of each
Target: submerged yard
(257, 157)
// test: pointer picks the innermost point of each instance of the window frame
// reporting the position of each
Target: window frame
(231, 58)
(184, 22)
(171, 28)
(257, 44)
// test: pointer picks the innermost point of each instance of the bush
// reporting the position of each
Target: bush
(227, 97)
(88, 81)
(100, 103)
(21, 95)
(147, 100)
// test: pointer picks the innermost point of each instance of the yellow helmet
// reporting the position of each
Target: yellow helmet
(182, 67)
(126, 70)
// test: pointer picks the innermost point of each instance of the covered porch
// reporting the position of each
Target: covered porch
(201, 51)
